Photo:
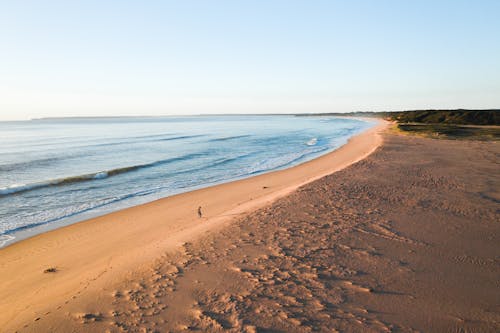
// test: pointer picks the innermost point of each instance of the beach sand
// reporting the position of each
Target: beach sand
(92, 257)
(404, 240)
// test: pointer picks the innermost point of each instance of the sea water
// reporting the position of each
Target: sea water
(58, 171)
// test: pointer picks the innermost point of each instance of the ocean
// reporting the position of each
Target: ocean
(54, 172)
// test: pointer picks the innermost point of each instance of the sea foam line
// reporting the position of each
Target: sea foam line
(5, 238)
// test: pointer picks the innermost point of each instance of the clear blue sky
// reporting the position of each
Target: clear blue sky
(73, 58)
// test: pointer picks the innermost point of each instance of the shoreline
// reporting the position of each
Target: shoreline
(23, 232)
(29, 231)
(92, 252)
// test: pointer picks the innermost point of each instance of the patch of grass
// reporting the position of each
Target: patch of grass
(455, 132)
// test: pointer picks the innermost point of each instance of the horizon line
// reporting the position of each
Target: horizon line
(240, 114)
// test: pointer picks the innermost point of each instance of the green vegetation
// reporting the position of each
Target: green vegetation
(450, 124)
(456, 117)
(446, 131)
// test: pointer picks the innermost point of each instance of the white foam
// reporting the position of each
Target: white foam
(100, 175)
(4, 239)
(312, 142)
(14, 188)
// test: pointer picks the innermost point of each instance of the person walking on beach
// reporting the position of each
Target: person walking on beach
(199, 212)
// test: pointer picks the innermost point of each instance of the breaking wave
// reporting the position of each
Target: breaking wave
(18, 188)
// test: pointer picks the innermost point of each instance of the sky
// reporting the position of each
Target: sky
(123, 58)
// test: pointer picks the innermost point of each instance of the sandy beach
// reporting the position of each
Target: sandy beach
(92, 257)
(250, 167)
(406, 239)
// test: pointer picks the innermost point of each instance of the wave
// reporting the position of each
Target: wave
(6, 234)
(183, 137)
(215, 163)
(152, 138)
(122, 141)
(282, 162)
(4, 239)
(229, 138)
(19, 188)
(42, 162)
(24, 165)
(312, 142)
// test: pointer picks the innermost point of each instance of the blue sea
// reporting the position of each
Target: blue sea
(58, 171)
